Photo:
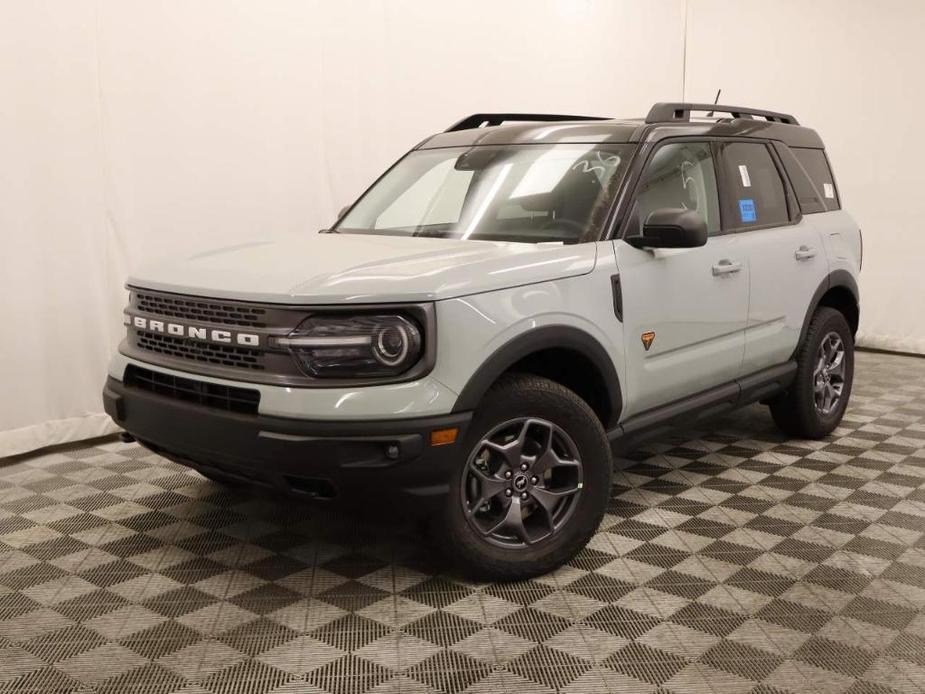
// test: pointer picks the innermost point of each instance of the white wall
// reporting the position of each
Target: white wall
(852, 69)
(132, 128)
(60, 256)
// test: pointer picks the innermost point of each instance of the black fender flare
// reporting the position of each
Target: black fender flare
(536, 340)
(837, 278)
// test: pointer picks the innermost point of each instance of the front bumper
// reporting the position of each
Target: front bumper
(384, 462)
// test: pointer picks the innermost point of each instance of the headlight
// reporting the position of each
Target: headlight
(330, 346)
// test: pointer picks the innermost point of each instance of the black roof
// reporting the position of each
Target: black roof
(663, 120)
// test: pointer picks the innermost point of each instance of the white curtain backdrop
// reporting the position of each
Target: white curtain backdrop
(852, 70)
(132, 129)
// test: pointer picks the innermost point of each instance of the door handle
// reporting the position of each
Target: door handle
(726, 267)
(804, 253)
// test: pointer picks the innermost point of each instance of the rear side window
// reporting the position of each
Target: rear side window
(754, 192)
(817, 168)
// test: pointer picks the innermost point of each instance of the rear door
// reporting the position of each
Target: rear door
(784, 251)
(684, 309)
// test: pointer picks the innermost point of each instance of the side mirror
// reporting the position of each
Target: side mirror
(671, 227)
(343, 211)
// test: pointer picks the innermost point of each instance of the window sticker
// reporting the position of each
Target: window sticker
(743, 172)
(747, 212)
(829, 190)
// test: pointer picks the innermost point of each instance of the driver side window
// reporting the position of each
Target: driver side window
(680, 175)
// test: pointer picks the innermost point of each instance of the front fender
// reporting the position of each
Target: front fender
(481, 336)
(536, 340)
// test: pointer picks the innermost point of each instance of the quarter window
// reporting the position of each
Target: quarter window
(755, 194)
(680, 175)
(817, 168)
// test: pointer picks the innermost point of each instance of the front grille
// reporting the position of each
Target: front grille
(230, 339)
(201, 310)
(206, 352)
(233, 399)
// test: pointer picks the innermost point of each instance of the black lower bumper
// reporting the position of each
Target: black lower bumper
(387, 462)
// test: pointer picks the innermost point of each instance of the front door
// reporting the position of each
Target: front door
(684, 310)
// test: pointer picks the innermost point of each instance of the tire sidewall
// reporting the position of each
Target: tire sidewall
(828, 320)
(533, 397)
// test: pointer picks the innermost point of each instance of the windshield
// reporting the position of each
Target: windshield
(528, 193)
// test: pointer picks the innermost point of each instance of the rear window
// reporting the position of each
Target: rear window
(816, 165)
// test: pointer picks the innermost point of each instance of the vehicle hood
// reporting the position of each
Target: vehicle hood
(360, 268)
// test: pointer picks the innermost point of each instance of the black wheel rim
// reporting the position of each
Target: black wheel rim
(829, 374)
(521, 482)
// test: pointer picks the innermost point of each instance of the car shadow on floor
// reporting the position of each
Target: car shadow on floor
(414, 543)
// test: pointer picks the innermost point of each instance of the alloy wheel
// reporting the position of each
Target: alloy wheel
(521, 482)
(829, 373)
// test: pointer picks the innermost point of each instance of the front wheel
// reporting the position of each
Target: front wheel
(534, 484)
(814, 404)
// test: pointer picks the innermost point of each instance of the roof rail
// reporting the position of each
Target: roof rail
(673, 112)
(478, 120)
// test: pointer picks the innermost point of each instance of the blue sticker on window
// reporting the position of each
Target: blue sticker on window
(747, 210)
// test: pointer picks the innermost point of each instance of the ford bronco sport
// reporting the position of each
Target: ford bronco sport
(502, 306)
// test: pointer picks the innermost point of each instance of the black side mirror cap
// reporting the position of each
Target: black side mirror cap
(671, 227)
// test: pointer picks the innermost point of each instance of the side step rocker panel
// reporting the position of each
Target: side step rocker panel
(704, 405)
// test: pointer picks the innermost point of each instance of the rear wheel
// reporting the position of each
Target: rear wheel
(816, 400)
(534, 484)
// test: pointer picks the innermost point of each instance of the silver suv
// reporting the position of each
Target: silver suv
(505, 304)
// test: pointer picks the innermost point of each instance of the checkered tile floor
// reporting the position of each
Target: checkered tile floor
(731, 560)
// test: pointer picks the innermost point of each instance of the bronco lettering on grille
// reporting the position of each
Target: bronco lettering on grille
(193, 331)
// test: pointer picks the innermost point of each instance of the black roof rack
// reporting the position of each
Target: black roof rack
(671, 112)
(487, 119)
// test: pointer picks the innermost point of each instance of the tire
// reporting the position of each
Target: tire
(797, 411)
(561, 498)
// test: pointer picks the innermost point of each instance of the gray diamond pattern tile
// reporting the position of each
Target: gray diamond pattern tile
(731, 559)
